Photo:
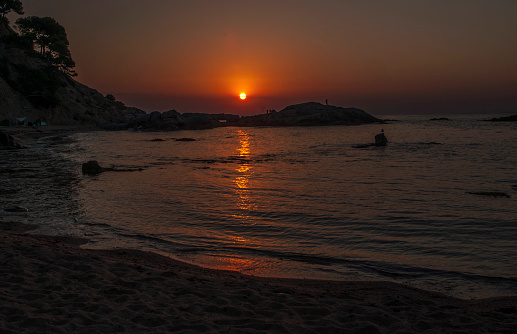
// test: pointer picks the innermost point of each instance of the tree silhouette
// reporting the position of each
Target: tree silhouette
(7, 6)
(51, 38)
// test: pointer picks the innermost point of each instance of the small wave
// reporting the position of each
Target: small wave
(380, 269)
(232, 159)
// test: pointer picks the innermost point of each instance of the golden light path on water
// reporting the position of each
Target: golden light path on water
(245, 203)
(242, 181)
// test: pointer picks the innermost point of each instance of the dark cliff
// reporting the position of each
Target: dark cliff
(30, 88)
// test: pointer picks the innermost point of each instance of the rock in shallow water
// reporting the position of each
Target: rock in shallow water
(185, 139)
(489, 193)
(381, 140)
(8, 142)
(16, 209)
(92, 168)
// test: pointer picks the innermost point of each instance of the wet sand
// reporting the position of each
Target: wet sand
(50, 284)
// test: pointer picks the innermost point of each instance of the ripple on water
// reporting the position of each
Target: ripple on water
(298, 202)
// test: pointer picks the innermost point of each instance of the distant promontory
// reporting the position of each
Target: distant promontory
(303, 114)
(310, 114)
(512, 118)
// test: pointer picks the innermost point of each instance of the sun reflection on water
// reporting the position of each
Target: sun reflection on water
(242, 180)
(244, 140)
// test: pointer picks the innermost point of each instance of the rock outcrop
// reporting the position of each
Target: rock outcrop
(8, 142)
(304, 114)
(172, 120)
(310, 114)
(512, 118)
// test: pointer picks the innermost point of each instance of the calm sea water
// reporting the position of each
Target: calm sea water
(299, 202)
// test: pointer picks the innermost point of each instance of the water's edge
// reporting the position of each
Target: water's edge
(50, 184)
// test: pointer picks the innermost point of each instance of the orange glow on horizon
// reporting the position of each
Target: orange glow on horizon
(294, 62)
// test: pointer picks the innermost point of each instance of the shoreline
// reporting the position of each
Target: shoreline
(29, 135)
(51, 284)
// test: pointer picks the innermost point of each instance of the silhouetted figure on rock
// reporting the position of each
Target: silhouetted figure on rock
(380, 139)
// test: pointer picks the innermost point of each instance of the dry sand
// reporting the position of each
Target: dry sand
(50, 285)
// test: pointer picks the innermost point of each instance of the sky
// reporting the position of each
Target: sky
(382, 56)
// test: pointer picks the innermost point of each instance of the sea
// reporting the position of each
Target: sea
(293, 202)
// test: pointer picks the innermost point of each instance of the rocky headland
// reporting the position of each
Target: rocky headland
(303, 114)
(31, 88)
(310, 114)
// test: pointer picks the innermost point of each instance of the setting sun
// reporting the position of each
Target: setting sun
(243, 96)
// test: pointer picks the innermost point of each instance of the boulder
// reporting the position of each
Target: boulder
(381, 140)
(8, 142)
(92, 168)
(171, 114)
(155, 117)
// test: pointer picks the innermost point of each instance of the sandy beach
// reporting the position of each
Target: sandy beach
(50, 284)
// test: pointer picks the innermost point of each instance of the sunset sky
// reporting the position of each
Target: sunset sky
(386, 57)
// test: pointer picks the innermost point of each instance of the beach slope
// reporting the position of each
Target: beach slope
(50, 284)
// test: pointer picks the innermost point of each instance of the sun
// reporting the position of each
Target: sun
(243, 96)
